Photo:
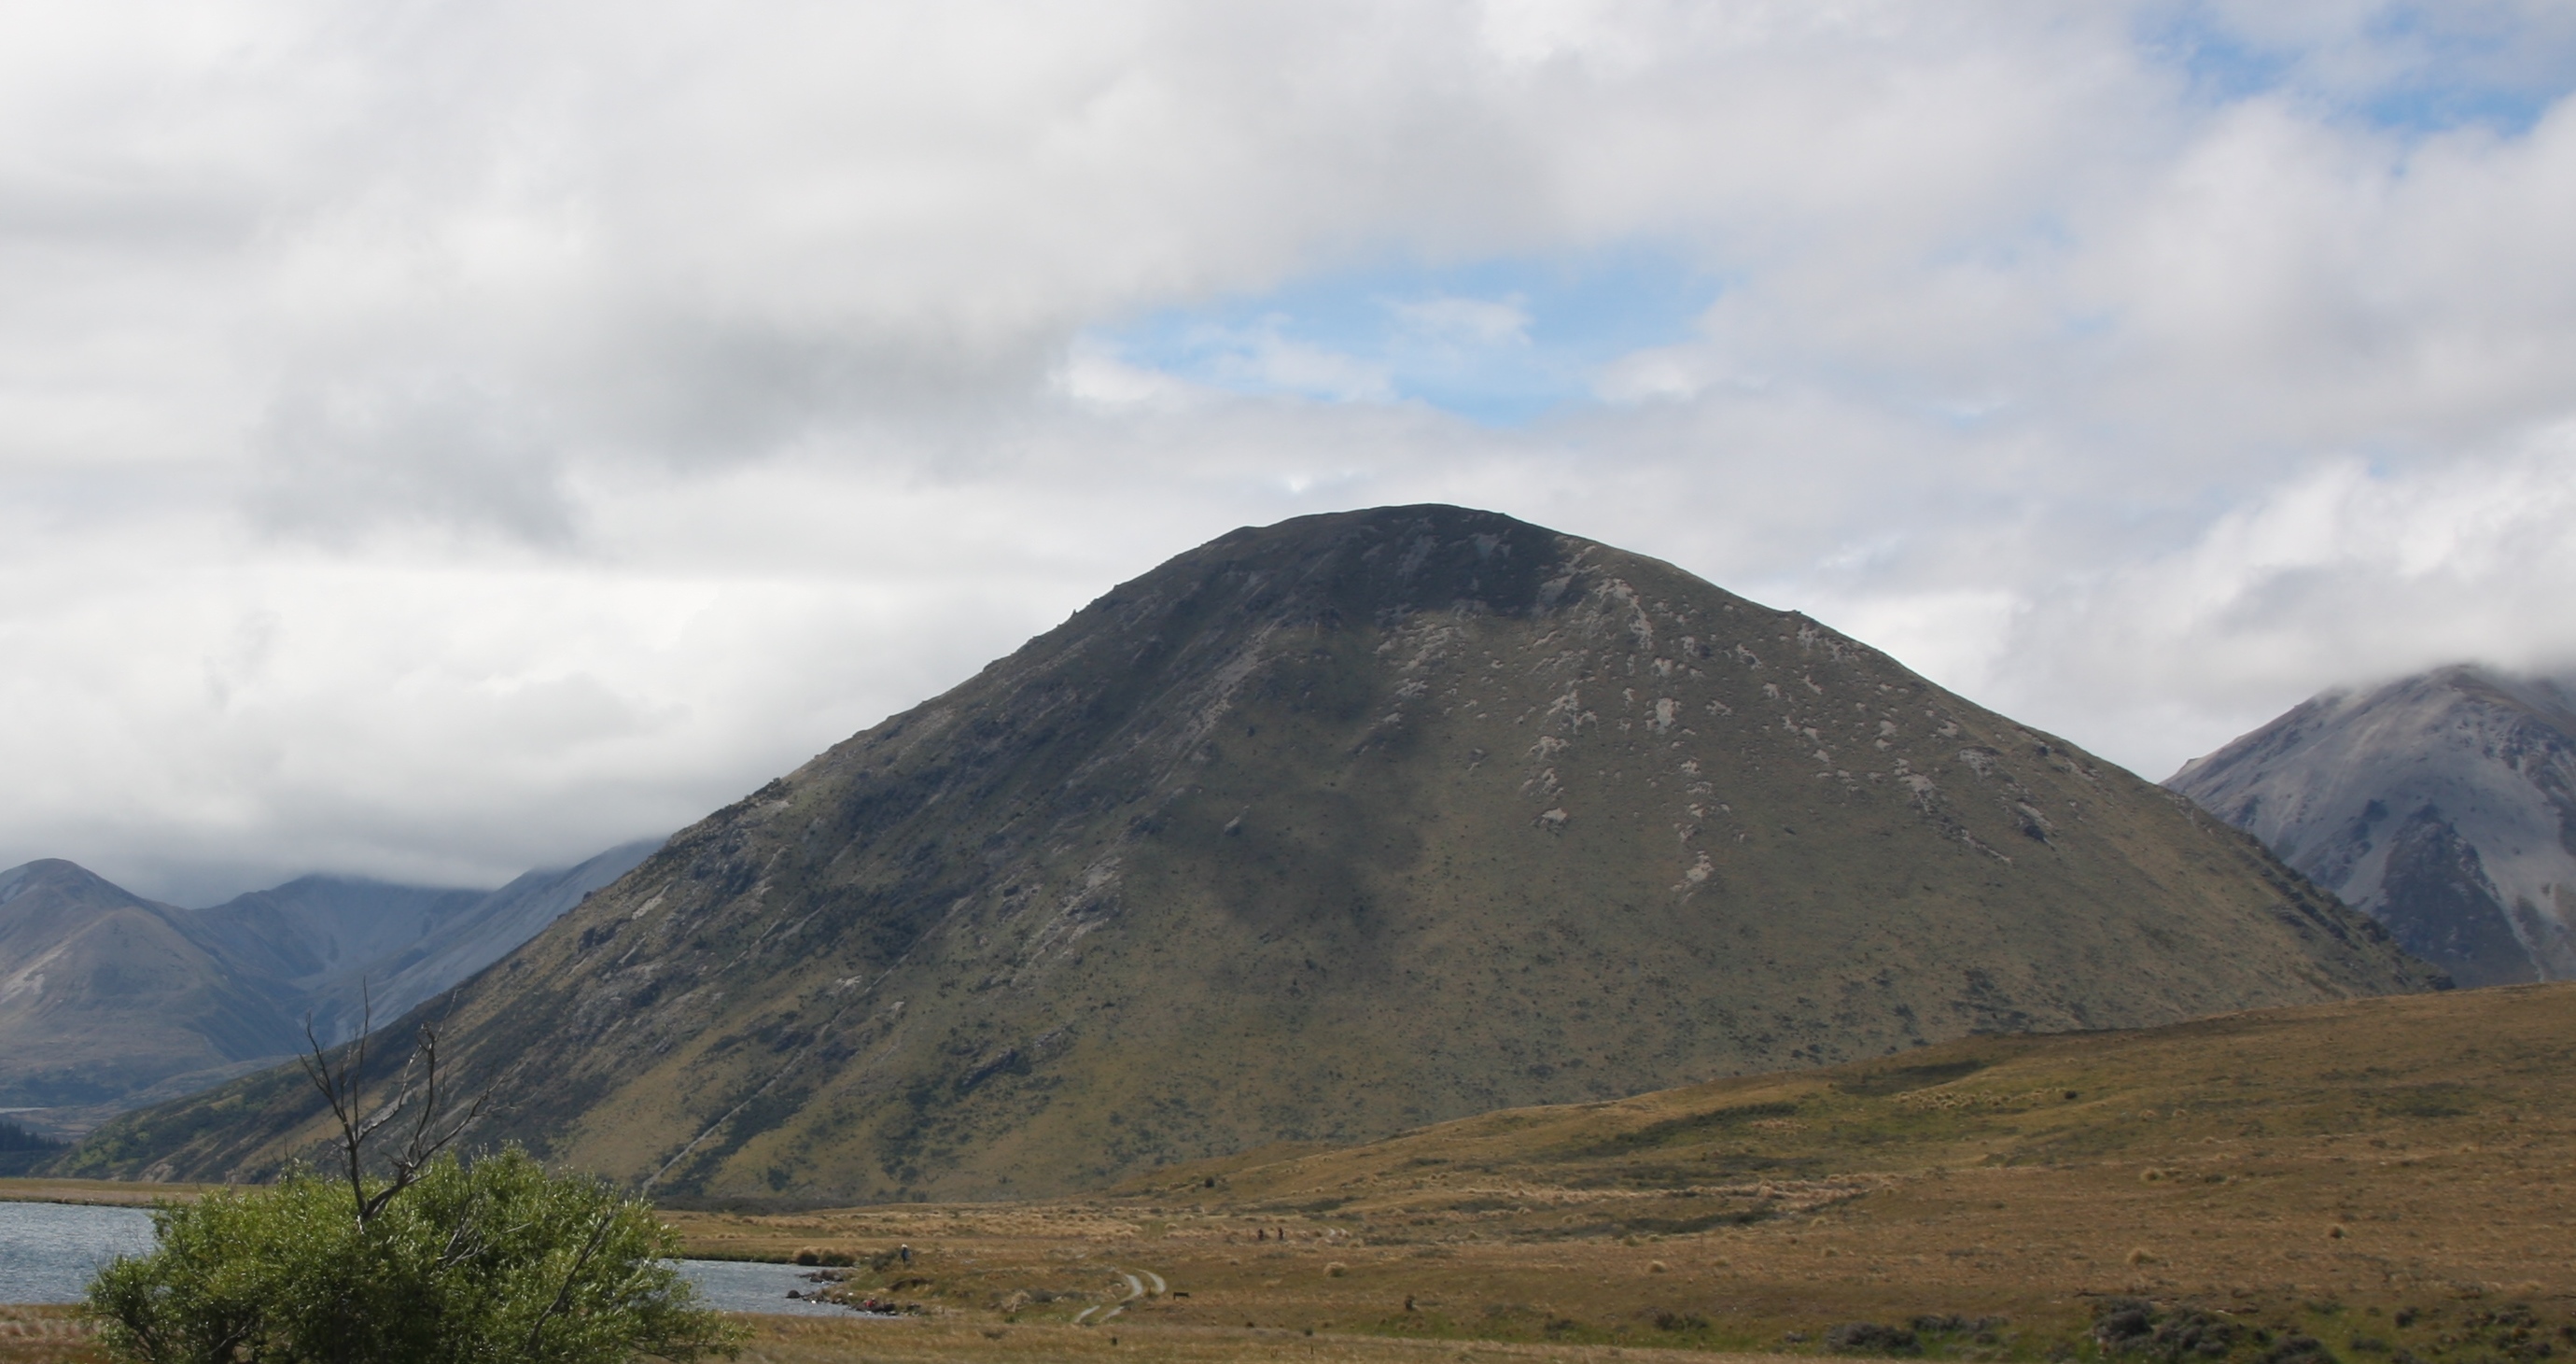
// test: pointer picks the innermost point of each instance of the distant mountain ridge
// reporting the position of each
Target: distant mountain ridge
(108, 1000)
(2443, 805)
(340, 946)
(1321, 831)
(103, 995)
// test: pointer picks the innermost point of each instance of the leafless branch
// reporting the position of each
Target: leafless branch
(418, 1090)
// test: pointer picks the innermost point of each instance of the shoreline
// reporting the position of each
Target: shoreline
(110, 1193)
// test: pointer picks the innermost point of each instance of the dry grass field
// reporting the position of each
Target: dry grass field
(2389, 1178)
(2383, 1180)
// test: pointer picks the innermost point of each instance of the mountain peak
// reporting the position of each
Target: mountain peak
(64, 878)
(2443, 804)
(1359, 564)
(1324, 830)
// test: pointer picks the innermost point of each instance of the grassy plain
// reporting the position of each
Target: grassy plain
(2383, 1180)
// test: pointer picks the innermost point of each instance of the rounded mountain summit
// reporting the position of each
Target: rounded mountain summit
(1321, 831)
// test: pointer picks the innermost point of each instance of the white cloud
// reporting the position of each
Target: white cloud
(435, 440)
(2339, 576)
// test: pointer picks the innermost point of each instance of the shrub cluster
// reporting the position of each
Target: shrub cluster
(496, 1260)
(1870, 1338)
(2136, 1326)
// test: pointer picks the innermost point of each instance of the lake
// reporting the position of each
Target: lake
(48, 1251)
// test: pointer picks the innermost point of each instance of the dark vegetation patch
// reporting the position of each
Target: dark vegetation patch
(2135, 1326)
(1899, 1079)
(1674, 1130)
(1654, 1226)
(22, 1150)
(1871, 1338)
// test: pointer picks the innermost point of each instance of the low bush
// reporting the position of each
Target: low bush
(1870, 1338)
(2136, 1326)
(494, 1260)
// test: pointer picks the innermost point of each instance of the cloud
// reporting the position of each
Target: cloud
(335, 465)
(438, 440)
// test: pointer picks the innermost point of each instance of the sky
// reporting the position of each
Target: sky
(442, 437)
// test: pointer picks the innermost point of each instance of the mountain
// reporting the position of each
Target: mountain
(1318, 832)
(334, 948)
(102, 994)
(307, 940)
(2444, 805)
(108, 1000)
(473, 936)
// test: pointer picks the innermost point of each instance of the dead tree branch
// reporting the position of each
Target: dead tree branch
(418, 1091)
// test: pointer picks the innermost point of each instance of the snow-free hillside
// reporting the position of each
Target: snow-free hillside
(2444, 805)
(1319, 832)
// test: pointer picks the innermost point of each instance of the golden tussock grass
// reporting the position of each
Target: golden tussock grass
(2319, 1172)
(2390, 1180)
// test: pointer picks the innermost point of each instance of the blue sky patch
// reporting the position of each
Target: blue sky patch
(2407, 67)
(1500, 341)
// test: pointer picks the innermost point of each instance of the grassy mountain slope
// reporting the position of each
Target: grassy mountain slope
(2440, 1069)
(1325, 830)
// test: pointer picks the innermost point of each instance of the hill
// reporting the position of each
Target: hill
(2443, 805)
(1319, 832)
(2382, 1177)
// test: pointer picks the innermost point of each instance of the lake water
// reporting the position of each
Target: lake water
(48, 1251)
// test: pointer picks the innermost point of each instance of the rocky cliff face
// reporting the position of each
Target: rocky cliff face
(2443, 805)
(1318, 832)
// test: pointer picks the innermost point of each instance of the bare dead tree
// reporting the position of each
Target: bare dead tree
(413, 1113)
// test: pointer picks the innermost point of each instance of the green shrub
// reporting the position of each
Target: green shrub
(493, 1261)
